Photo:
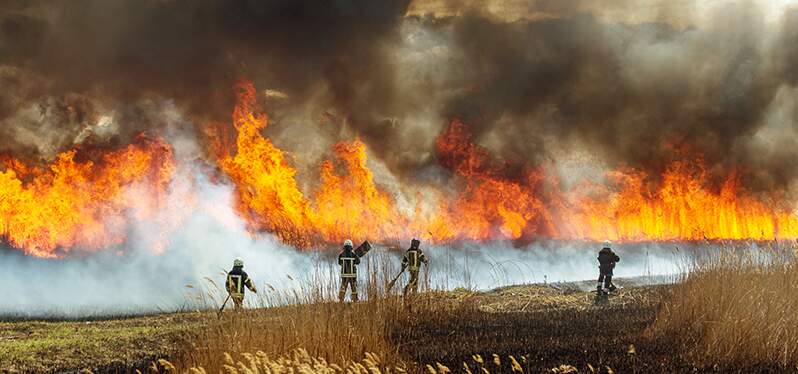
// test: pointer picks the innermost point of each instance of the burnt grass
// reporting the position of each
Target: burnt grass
(546, 339)
(541, 340)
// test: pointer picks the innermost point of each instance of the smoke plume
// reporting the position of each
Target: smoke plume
(587, 88)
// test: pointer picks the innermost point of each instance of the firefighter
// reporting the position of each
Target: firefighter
(607, 259)
(237, 279)
(412, 260)
(348, 261)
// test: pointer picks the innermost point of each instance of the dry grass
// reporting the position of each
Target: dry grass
(307, 316)
(298, 361)
(532, 328)
(736, 308)
(463, 330)
(338, 333)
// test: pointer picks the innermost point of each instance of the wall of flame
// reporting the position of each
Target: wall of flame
(85, 205)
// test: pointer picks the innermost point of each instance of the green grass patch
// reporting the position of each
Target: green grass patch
(70, 346)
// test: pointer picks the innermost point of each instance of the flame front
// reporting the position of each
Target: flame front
(491, 205)
(682, 208)
(88, 205)
(493, 201)
(269, 198)
(81, 204)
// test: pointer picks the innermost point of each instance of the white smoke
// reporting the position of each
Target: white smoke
(184, 251)
(138, 280)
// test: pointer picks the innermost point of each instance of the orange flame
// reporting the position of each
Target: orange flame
(269, 198)
(491, 206)
(493, 202)
(87, 205)
(267, 193)
(81, 204)
(683, 207)
(351, 206)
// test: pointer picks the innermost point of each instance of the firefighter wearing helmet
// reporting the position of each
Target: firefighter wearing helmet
(412, 261)
(607, 260)
(237, 280)
(348, 261)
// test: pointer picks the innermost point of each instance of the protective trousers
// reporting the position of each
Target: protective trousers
(348, 282)
(412, 285)
(238, 300)
(606, 279)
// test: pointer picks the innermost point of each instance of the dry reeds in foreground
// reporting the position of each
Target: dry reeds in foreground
(736, 308)
(337, 333)
(305, 316)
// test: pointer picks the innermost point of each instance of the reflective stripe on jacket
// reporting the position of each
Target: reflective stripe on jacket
(413, 259)
(237, 280)
(348, 261)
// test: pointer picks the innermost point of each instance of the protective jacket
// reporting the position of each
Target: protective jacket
(607, 259)
(348, 261)
(237, 279)
(413, 259)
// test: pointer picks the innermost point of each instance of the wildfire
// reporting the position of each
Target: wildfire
(351, 205)
(492, 203)
(88, 204)
(269, 198)
(682, 208)
(81, 204)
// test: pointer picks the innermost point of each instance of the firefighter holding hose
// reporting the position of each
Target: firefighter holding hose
(412, 261)
(237, 279)
(607, 260)
(348, 261)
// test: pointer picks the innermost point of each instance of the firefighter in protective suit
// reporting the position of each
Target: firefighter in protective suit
(412, 260)
(237, 279)
(607, 260)
(348, 261)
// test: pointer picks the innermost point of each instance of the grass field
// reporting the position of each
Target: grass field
(111, 345)
(702, 324)
(542, 325)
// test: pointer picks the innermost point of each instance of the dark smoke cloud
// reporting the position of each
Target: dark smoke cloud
(120, 53)
(634, 93)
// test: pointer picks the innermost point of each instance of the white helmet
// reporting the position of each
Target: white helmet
(347, 243)
(238, 262)
(607, 244)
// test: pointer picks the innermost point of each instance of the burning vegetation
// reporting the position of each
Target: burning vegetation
(397, 120)
(46, 211)
(147, 142)
(86, 204)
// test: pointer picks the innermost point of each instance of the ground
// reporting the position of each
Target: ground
(32, 346)
(541, 326)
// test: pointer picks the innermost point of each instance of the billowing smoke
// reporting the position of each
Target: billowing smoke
(136, 280)
(628, 85)
(638, 84)
(63, 64)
